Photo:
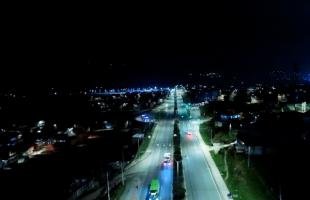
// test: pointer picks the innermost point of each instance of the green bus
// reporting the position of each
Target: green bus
(154, 188)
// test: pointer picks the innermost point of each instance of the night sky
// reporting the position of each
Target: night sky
(149, 45)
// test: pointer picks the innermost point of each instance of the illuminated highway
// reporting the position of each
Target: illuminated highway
(202, 178)
(150, 165)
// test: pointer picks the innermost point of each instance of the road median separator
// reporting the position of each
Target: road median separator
(179, 191)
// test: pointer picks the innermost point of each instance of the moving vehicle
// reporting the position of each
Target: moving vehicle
(167, 159)
(188, 133)
(154, 190)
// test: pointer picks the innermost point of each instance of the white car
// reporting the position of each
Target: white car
(167, 159)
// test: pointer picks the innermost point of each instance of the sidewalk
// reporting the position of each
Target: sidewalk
(130, 193)
(92, 195)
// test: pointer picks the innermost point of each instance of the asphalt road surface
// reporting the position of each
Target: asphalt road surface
(199, 182)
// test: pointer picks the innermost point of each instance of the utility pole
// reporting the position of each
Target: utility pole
(108, 187)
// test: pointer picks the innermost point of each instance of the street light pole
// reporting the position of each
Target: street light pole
(108, 187)
(280, 191)
(211, 135)
(122, 166)
(177, 168)
(249, 153)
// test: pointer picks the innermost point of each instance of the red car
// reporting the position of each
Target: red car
(188, 133)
